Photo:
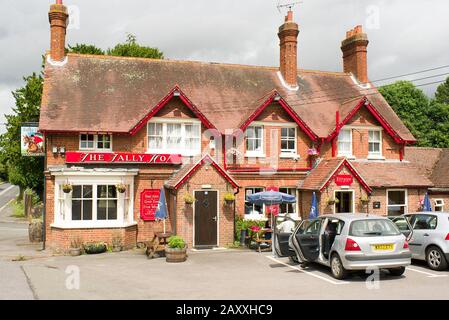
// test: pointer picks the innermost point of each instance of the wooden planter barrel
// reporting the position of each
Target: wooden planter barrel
(175, 254)
(36, 231)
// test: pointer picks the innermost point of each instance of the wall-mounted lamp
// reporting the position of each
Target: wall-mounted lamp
(54, 150)
(58, 150)
(62, 150)
(176, 94)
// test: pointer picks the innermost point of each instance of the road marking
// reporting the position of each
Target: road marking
(1, 209)
(429, 275)
(7, 189)
(337, 282)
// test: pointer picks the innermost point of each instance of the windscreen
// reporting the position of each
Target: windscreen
(373, 228)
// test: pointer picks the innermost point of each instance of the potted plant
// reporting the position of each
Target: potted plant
(95, 247)
(331, 201)
(67, 187)
(189, 199)
(76, 247)
(117, 242)
(229, 198)
(176, 249)
(121, 188)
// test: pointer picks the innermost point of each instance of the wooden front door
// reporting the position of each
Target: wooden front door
(206, 218)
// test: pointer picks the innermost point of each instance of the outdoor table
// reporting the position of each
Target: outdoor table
(259, 238)
(156, 247)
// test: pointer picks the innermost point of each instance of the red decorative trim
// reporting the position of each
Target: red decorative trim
(207, 158)
(163, 102)
(287, 108)
(353, 172)
(365, 102)
(252, 169)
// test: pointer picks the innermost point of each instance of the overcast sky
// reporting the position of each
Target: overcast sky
(405, 35)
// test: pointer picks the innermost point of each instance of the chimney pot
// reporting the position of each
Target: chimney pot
(288, 35)
(354, 49)
(58, 17)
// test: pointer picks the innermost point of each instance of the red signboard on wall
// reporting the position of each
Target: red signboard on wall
(121, 157)
(149, 200)
(343, 180)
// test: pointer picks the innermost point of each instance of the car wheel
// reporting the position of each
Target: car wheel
(338, 271)
(397, 272)
(293, 259)
(436, 259)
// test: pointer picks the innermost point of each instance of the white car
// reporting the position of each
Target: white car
(346, 242)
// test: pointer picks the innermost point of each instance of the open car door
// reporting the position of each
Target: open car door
(282, 243)
(307, 240)
(404, 226)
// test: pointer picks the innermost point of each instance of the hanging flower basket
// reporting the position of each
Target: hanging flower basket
(121, 188)
(229, 198)
(189, 199)
(312, 152)
(67, 187)
(332, 201)
(364, 200)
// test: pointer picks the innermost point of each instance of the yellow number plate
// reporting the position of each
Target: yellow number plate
(383, 247)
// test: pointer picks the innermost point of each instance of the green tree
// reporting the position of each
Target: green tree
(132, 49)
(85, 49)
(412, 106)
(442, 93)
(23, 171)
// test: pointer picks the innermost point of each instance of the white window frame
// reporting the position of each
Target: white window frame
(439, 203)
(182, 151)
(293, 214)
(352, 191)
(260, 216)
(63, 216)
(95, 147)
(285, 153)
(255, 153)
(377, 155)
(397, 205)
(340, 153)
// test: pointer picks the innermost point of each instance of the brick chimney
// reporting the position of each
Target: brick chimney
(288, 34)
(355, 54)
(58, 17)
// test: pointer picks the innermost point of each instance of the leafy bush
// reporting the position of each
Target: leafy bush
(18, 209)
(176, 242)
(94, 248)
(34, 196)
(242, 224)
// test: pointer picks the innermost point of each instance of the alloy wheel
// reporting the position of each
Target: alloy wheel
(336, 266)
(434, 258)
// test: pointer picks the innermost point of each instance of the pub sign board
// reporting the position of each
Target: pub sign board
(122, 158)
(343, 180)
(149, 201)
(32, 142)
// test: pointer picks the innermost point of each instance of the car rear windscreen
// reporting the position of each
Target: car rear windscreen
(373, 228)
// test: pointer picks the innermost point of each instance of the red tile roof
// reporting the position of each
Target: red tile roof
(434, 162)
(112, 94)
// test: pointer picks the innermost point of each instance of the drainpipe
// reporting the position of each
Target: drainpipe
(235, 209)
(174, 212)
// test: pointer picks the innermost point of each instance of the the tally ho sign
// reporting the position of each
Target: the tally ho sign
(121, 158)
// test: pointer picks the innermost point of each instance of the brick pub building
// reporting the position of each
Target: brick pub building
(210, 129)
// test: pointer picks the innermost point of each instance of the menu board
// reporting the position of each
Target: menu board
(149, 200)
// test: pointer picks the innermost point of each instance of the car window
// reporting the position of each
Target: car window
(424, 222)
(402, 224)
(313, 227)
(373, 228)
(335, 226)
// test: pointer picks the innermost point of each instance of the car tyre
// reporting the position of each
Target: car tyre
(397, 272)
(435, 259)
(338, 271)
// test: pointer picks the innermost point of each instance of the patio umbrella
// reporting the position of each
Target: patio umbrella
(271, 198)
(314, 208)
(161, 211)
(427, 206)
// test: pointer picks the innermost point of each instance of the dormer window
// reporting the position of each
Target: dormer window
(345, 143)
(95, 142)
(374, 143)
(254, 141)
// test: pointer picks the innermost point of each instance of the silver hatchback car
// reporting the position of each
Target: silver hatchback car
(346, 242)
(430, 238)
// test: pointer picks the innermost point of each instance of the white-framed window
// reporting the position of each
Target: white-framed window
(288, 207)
(288, 140)
(345, 143)
(374, 143)
(94, 201)
(254, 210)
(439, 205)
(254, 141)
(396, 202)
(173, 136)
(98, 142)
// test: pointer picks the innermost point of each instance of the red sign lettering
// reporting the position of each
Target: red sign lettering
(149, 200)
(121, 157)
(343, 180)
